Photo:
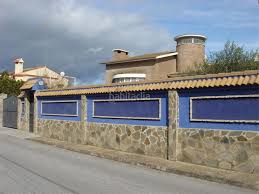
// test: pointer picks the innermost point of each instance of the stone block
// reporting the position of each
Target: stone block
(153, 139)
(246, 167)
(209, 133)
(225, 165)
(241, 138)
(224, 140)
(235, 133)
(241, 156)
(225, 156)
(128, 131)
(250, 134)
(136, 135)
(137, 128)
(147, 142)
(194, 155)
(224, 133)
(212, 163)
(118, 130)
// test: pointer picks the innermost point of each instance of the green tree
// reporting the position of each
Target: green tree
(232, 58)
(9, 86)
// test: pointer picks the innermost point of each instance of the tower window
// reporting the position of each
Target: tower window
(198, 41)
(190, 41)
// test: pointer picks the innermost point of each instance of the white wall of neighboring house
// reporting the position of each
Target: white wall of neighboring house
(53, 78)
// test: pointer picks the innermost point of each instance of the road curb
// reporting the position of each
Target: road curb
(245, 180)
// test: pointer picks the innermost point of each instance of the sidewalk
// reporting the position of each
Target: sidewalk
(16, 133)
(212, 174)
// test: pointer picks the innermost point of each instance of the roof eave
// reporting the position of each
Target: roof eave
(144, 59)
(127, 61)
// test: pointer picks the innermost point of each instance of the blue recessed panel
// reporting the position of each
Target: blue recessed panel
(60, 108)
(219, 108)
(231, 109)
(128, 109)
(143, 108)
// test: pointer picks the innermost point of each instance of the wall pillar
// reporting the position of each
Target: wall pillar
(35, 114)
(2, 97)
(23, 121)
(19, 112)
(83, 115)
(27, 113)
(173, 117)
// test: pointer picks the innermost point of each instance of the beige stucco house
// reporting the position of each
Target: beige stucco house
(25, 74)
(190, 50)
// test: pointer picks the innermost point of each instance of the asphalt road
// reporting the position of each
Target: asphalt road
(27, 166)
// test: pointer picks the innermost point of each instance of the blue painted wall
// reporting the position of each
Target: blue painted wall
(57, 117)
(164, 108)
(184, 108)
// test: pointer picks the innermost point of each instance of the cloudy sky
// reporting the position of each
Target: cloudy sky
(75, 35)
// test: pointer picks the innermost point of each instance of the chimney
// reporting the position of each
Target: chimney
(18, 65)
(119, 54)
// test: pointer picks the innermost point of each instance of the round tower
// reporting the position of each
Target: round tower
(191, 51)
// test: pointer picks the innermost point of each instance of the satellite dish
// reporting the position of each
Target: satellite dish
(41, 83)
(62, 74)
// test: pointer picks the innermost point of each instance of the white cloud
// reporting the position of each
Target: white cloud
(94, 50)
(71, 36)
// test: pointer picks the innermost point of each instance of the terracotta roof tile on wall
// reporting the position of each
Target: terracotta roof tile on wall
(28, 84)
(186, 82)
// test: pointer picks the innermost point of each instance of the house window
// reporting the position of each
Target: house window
(128, 77)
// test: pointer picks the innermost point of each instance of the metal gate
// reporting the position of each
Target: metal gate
(10, 112)
(31, 117)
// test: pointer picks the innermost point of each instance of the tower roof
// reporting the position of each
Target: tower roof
(190, 36)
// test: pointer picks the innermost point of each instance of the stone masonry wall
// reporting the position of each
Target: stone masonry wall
(225, 149)
(70, 131)
(232, 150)
(137, 139)
(23, 124)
